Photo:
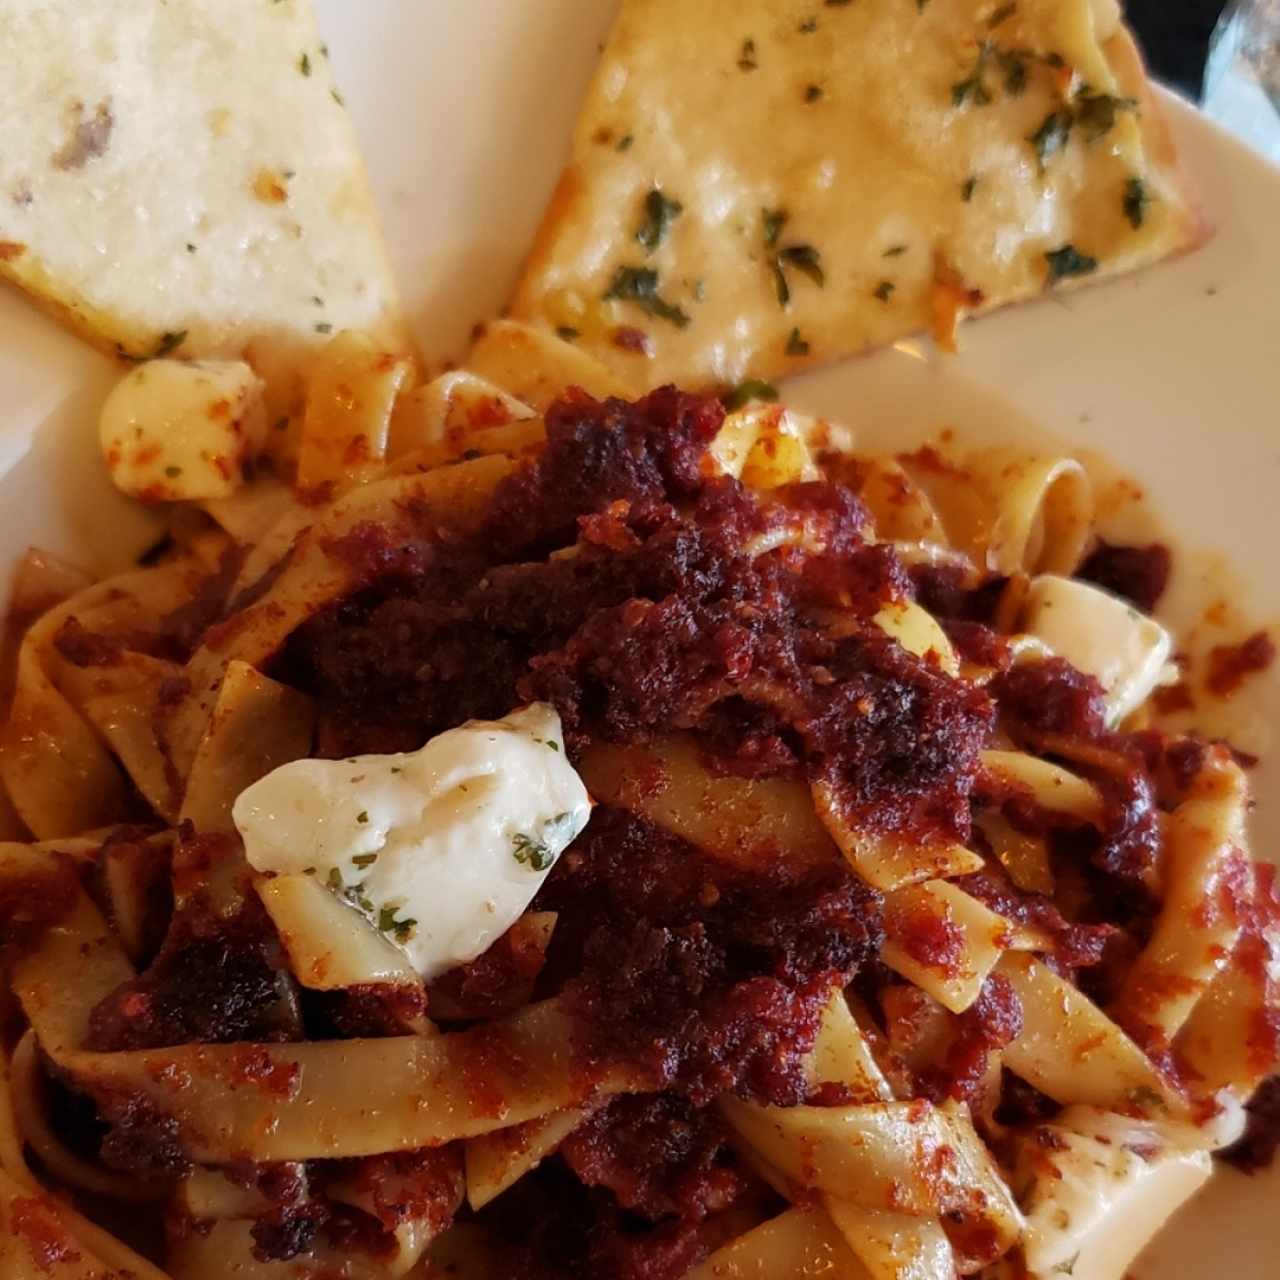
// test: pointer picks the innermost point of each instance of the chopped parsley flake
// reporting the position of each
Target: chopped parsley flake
(813, 93)
(387, 923)
(170, 342)
(395, 768)
(884, 290)
(1068, 261)
(1051, 136)
(967, 188)
(894, 251)
(624, 143)
(335, 879)
(1136, 200)
(531, 853)
(324, 328)
(640, 286)
(190, 247)
(1013, 62)
(745, 392)
(796, 345)
(173, 472)
(337, 97)
(747, 58)
(567, 333)
(362, 816)
(659, 214)
(1067, 1268)
(805, 258)
(973, 89)
(774, 220)
(304, 65)
(364, 859)
(1096, 112)
(808, 26)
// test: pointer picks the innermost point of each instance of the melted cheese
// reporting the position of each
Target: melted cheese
(441, 848)
(1102, 635)
(894, 180)
(171, 430)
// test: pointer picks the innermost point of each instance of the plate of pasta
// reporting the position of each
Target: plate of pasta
(481, 817)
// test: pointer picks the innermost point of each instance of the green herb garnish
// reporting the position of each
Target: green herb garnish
(304, 65)
(774, 220)
(894, 251)
(1135, 202)
(796, 345)
(567, 333)
(884, 290)
(362, 816)
(967, 188)
(1068, 261)
(640, 286)
(624, 142)
(747, 58)
(169, 342)
(531, 853)
(659, 214)
(805, 258)
(363, 860)
(1096, 112)
(813, 93)
(1052, 135)
(745, 392)
(173, 472)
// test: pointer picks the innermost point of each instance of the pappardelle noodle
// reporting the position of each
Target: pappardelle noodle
(895, 941)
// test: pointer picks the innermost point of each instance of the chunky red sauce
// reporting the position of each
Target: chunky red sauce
(1231, 665)
(705, 977)
(1137, 574)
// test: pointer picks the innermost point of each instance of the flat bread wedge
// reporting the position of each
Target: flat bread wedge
(759, 187)
(182, 178)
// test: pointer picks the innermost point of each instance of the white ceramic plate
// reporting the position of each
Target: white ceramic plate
(464, 110)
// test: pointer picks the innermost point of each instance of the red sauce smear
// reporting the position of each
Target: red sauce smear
(1231, 665)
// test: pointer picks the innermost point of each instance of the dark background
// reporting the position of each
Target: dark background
(1175, 37)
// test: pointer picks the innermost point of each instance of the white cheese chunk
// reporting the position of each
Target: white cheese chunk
(1096, 1188)
(173, 430)
(442, 848)
(1103, 636)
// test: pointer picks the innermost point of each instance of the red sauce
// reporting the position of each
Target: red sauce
(36, 1222)
(498, 982)
(706, 992)
(1231, 665)
(1137, 574)
(215, 980)
(659, 1155)
(986, 1026)
(1257, 1148)
(1052, 696)
(930, 939)
(1076, 946)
